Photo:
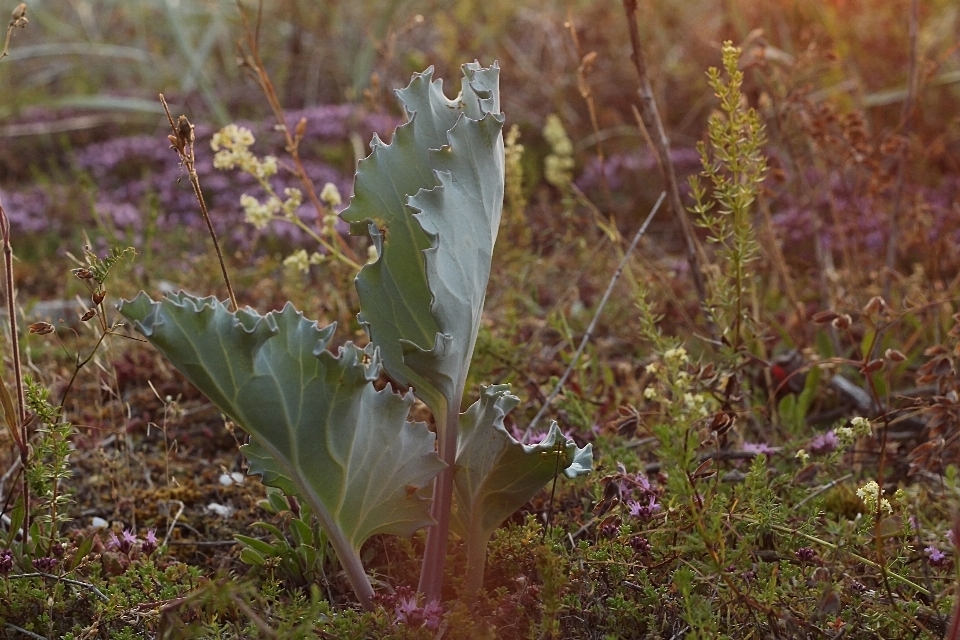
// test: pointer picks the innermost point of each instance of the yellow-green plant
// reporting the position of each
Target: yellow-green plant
(725, 191)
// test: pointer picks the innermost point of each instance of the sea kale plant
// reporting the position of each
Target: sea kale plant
(431, 202)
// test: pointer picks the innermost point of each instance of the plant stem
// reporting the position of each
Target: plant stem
(902, 168)
(661, 146)
(596, 316)
(184, 147)
(435, 553)
(21, 416)
(255, 63)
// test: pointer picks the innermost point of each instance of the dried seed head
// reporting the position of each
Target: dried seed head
(823, 317)
(301, 128)
(98, 296)
(875, 305)
(895, 355)
(89, 314)
(873, 365)
(842, 321)
(83, 274)
(40, 328)
(19, 16)
(184, 130)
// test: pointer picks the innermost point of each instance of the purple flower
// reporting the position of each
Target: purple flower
(124, 543)
(113, 542)
(757, 447)
(640, 544)
(432, 615)
(44, 564)
(409, 611)
(150, 543)
(824, 443)
(643, 511)
(806, 554)
(936, 557)
(6, 561)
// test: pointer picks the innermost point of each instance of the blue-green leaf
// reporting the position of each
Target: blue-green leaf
(319, 428)
(495, 474)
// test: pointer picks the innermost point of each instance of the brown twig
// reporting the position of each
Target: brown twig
(586, 92)
(182, 141)
(251, 59)
(18, 20)
(661, 146)
(22, 437)
(905, 121)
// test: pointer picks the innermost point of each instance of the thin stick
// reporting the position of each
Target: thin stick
(255, 64)
(905, 119)
(17, 19)
(21, 417)
(78, 583)
(596, 316)
(661, 145)
(182, 140)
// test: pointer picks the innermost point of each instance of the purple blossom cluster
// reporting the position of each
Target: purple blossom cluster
(408, 610)
(126, 542)
(935, 557)
(624, 170)
(849, 217)
(139, 182)
(824, 443)
(637, 493)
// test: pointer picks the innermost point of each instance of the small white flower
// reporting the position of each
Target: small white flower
(330, 196)
(255, 213)
(232, 137)
(265, 168)
(803, 456)
(861, 426)
(298, 260)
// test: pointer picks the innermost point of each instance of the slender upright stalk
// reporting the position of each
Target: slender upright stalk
(596, 316)
(253, 62)
(435, 552)
(908, 103)
(182, 140)
(21, 417)
(661, 146)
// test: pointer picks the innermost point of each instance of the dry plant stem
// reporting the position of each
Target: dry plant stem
(22, 446)
(661, 145)
(255, 63)
(905, 120)
(596, 316)
(18, 18)
(185, 150)
(583, 85)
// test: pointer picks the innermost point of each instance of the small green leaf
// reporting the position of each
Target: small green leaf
(301, 532)
(252, 557)
(259, 545)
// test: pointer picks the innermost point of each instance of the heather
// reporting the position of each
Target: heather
(726, 268)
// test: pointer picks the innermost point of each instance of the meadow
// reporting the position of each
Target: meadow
(705, 384)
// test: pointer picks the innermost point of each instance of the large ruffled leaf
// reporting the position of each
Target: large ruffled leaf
(318, 425)
(495, 474)
(432, 200)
